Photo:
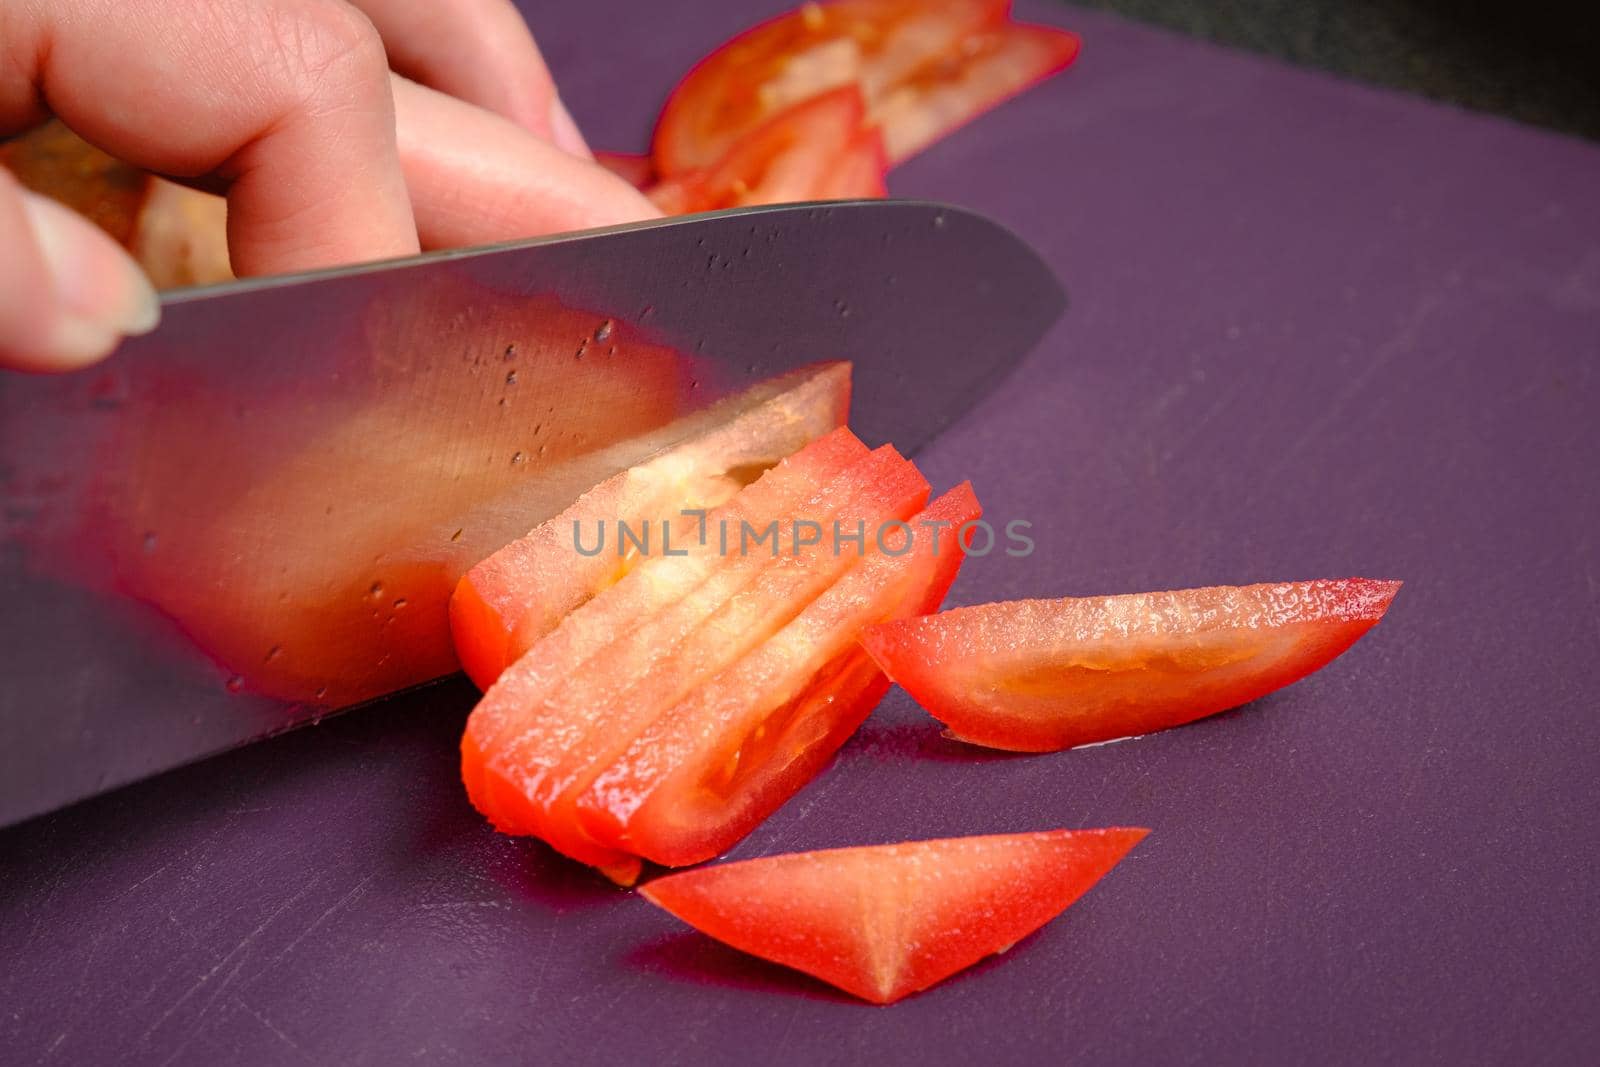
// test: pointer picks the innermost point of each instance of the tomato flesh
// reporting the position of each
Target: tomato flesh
(580, 727)
(644, 591)
(950, 91)
(857, 172)
(816, 150)
(1040, 675)
(709, 770)
(519, 594)
(819, 47)
(885, 921)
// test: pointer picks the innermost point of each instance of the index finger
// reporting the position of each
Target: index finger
(286, 101)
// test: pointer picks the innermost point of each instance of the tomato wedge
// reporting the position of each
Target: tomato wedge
(707, 771)
(949, 91)
(580, 726)
(876, 44)
(519, 594)
(885, 921)
(1040, 675)
(648, 589)
(816, 150)
(858, 170)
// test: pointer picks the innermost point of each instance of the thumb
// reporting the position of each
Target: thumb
(68, 292)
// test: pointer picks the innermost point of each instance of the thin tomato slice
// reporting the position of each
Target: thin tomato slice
(581, 726)
(949, 91)
(875, 44)
(1040, 675)
(706, 772)
(816, 150)
(858, 170)
(885, 921)
(645, 591)
(519, 594)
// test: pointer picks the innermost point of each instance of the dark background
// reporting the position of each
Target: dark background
(1537, 61)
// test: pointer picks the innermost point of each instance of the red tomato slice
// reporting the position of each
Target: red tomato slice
(858, 170)
(637, 171)
(645, 591)
(872, 43)
(579, 727)
(707, 771)
(1039, 675)
(989, 68)
(519, 594)
(816, 150)
(886, 921)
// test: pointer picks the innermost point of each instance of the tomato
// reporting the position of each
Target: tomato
(707, 771)
(637, 171)
(816, 150)
(989, 68)
(886, 921)
(857, 172)
(574, 730)
(1039, 675)
(875, 44)
(519, 594)
(646, 590)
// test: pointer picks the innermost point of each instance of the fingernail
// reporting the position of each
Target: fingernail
(564, 131)
(102, 295)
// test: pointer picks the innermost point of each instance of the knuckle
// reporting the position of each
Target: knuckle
(330, 48)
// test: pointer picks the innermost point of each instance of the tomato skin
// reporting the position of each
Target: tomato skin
(885, 921)
(776, 717)
(1042, 675)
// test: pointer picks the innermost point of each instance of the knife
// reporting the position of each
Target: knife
(253, 517)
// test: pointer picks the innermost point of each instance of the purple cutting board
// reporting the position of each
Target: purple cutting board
(1317, 330)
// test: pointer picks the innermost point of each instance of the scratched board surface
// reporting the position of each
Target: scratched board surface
(1317, 330)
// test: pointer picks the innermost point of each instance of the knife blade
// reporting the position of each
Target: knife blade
(253, 517)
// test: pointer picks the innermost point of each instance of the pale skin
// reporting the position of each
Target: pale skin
(306, 115)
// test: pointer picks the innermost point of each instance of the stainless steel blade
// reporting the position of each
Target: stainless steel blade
(253, 517)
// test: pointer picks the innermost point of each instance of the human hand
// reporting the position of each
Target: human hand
(290, 108)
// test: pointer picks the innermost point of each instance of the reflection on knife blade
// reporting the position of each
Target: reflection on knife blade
(313, 569)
